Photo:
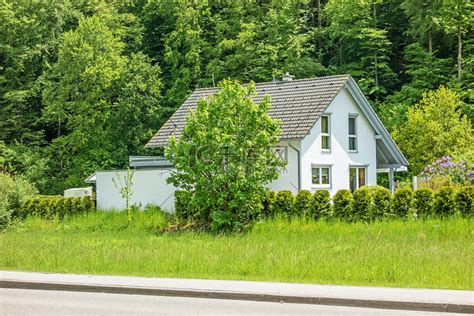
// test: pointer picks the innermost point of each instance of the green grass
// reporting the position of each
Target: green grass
(431, 254)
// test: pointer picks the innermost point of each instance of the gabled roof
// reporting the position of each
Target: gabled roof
(297, 103)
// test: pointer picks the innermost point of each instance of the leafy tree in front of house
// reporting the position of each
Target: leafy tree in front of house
(435, 128)
(224, 156)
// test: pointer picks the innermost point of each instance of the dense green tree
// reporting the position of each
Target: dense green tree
(29, 32)
(457, 18)
(425, 72)
(224, 156)
(65, 84)
(423, 19)
(363, 48)
(435, 128)
(104, 102)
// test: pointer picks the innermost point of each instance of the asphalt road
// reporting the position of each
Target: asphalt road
(39, 302)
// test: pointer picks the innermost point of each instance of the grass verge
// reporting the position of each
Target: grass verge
(424, 254)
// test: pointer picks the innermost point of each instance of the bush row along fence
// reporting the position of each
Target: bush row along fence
(52, 206)
(364, 204)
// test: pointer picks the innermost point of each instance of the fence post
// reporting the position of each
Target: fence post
(415, 182)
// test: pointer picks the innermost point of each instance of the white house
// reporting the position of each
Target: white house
(331, 138)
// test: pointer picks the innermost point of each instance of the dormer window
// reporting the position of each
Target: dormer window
(325, 133)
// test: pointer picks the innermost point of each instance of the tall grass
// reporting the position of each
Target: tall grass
(430, 254)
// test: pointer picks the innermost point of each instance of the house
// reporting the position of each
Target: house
(331, 137)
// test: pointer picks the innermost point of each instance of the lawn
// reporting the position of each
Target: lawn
(424, 254)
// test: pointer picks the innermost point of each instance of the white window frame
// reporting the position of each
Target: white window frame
(320, 184)
(352, 116)
(357, 167)
(328, 134)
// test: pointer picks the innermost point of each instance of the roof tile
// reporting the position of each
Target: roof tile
(298, 103)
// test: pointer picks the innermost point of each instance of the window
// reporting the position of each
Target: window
(325, 133)
(352, 133)
(357, 177)
(321, 175)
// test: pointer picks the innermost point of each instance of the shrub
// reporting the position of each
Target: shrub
(88, 202)
(284, 203)
(342, 204)
(464, 201)
(361, 203)
(446, 171)
(401, 203)
(423, 202)
(303, 204)
(269, 204)
(322, 205)
(182, 199)
(444, 203)
(241, 166)
(14, 193)
(57, 206)
(381, 200)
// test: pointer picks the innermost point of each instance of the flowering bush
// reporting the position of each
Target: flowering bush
(446, 172)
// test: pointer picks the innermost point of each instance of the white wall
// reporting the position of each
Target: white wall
(149, 187)
(288, 179)
(339, 157)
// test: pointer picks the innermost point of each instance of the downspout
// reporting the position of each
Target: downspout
(299, 163)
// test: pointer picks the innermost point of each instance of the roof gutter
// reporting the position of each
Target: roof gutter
(299, 163)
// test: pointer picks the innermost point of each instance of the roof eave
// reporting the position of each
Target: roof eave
(375, 121)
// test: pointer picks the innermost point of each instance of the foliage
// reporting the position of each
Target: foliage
(182, 200)
(444, 203)
(342, 204)
(361, 204)
(14, 192)
(125, 188)
(447, 171)
(381, 201)
(269, 204)
(84, 84)
(465, 201)
(224, 157)
(435, 128)
(402, 201)
(322, 208)
(423, 202)
(56, 206)
(284, 203)
(303, 204)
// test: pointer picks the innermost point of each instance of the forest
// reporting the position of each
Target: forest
(86, 83)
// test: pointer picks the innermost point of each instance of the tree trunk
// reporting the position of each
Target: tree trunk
(376, 74)
(459, 53)
(59, 127)
(430, 41)
(318, 2)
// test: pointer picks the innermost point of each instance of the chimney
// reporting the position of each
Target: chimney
(287, 77)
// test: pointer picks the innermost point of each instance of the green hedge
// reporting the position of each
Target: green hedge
(268, 209)
(444, 203)
(343, 204)
(423, 203)
(401, 203)
(303, 205)
(284, 203)
(371, 203)
(182, 206)
(381, 201)
(57, 206)
(322, 207)
(360, 205)
(465, 201)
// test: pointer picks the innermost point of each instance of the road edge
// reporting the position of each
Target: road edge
(243, 296)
